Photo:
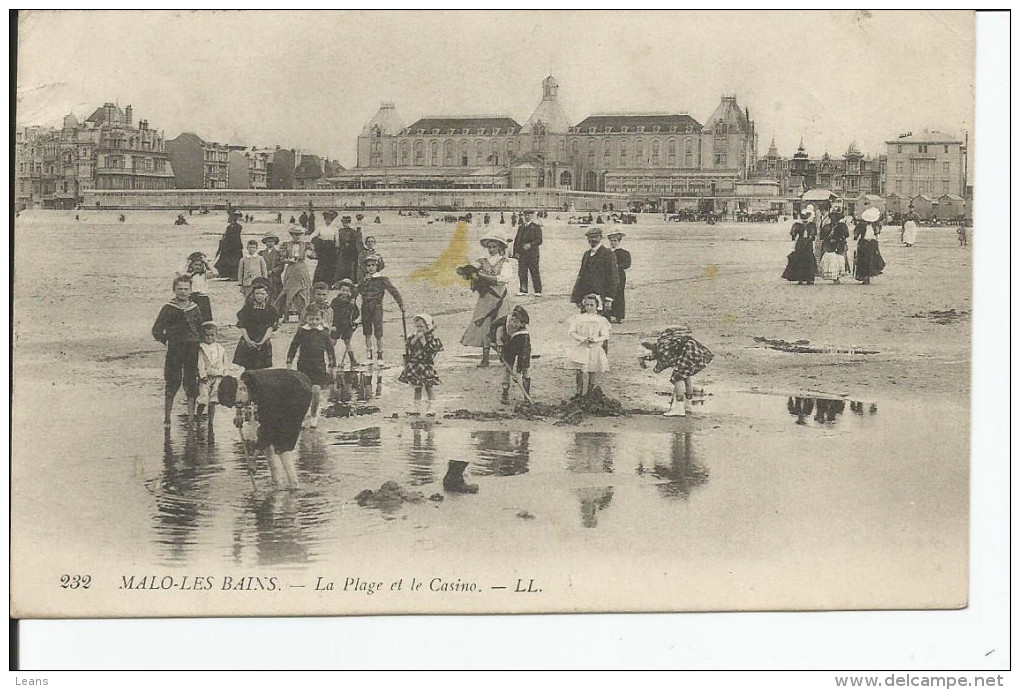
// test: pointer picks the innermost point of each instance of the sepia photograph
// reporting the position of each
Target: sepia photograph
(436, 312)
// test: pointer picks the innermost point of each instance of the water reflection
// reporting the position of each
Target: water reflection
(502, 453)
(593, 500)
(181, 494)
(422, 455)
(683, 473)
(591, 452)
(823, 410)
(279, 532)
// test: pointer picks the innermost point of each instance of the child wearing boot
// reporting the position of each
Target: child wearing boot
(513, 343)
(178, 326)
(345, 318)
(212, 367)
(313, 346)
(419, 369)
(373, 287)
(589, 330)
(675, 347)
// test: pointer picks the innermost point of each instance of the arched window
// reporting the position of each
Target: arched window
(565, 179)
(448, 152)
(494, 152)
(575, 147)
(607, 151)
(434, 153)
(688, 153)
(639, 152)
(419, 153)
(671, 152)
(623, 153)
(479, 152)
(405, 152)
(393, 154)
(464, 152)
(655, 152)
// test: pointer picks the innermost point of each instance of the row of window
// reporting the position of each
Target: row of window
(922, 186)
(921, 167)
(923, 148)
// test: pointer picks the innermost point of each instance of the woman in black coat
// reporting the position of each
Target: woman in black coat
(619, 309)
(801, 265)
(230, 251)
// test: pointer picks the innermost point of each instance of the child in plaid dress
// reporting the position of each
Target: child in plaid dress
(676, 348)
(419, 369)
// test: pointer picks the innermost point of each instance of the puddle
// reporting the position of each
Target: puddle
(805, 347)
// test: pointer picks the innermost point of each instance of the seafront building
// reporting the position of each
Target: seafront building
(658, 156)
(54, 168)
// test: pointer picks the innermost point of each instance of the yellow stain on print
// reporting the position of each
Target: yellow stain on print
(443, 271)
(712, 271)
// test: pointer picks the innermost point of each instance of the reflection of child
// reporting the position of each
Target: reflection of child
(589, 331)
(345, 318)
(312, 345)
(420, 370)
(676, 348)
(212, 367)
(177, 326)
(513, 342)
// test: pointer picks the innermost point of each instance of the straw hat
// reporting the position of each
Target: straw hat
(267, 238)
(296, 230)
(871, 214)
(621, 235)
(493, 238)
(593, 231)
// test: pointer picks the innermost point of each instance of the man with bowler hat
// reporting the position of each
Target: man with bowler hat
(526, 244)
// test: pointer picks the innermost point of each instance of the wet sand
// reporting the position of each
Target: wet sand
(736, 503)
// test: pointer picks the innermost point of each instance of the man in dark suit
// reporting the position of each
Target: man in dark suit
(598, 273)
(526, 244)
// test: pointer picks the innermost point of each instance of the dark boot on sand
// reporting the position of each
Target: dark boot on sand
(454, 479)
(485, 358)
(506, 395)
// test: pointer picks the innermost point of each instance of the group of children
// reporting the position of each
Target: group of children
(196, 361)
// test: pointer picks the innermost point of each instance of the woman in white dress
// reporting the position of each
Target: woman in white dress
(489, 280)
(909, 235)
(587, 357)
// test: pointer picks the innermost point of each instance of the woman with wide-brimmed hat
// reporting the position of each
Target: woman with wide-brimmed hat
(868, 261)
(801, 265)
(297, 281)
(491, 275)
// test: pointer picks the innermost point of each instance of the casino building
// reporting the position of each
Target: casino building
(657, 156)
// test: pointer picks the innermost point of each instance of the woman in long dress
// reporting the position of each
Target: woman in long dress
(297, 281)
(494, 272)
(833, 263)
(909, 234)
(324, 240)
(230, 251)
(619, 309)
(800, 263)
(868, 262)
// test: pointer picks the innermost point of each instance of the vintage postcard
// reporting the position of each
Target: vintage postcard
(327, 313)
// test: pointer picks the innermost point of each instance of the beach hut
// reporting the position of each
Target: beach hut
(896, 203)
(865, 201)
(951, 207)
(923, 205)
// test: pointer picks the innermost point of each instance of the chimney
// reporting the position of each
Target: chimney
(127, 115)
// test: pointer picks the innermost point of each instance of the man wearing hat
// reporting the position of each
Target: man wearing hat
(526, 244)
(598, 274)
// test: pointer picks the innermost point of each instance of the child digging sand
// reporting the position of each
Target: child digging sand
(178, 326)
(513, 343)
(419, 369)
(212, 367)
(589, 331)
(313, 346)
(675, 347)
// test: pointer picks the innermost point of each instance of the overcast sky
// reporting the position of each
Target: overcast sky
(311, 80)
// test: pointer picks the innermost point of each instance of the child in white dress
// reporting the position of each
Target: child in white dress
(587, 357)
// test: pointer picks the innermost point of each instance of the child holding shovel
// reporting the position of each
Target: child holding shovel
(513, 343)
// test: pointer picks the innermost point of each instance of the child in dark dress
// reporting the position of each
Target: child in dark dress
(312, 345)
(257, 321)
(345, 318)
(419, 368)
(178, 326)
